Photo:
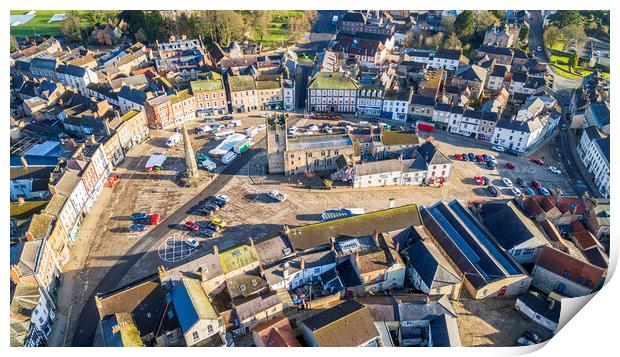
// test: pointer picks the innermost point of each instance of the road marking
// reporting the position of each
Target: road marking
(174, 249)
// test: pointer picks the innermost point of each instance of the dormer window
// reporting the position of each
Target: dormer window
(242, 287)
(565, 273)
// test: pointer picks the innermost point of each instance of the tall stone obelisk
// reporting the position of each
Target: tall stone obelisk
(190, 159)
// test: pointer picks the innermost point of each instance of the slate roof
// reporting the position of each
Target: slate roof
(272, 250)
(253, 305)
(520, 77)
(573, 269)
(448, 54)
(499, 71)
(125, 336)
(191, 303)
(419, 99)
(26, 255)
(600, 110)
(603, 145)
(445, 331)
(331, 80)
(133, 95)
(71, 70)
(348, 324)
(432, 267)
(432, 155)
(314, 235)
(504, 51)
(471, 73)
(509, 226)
(538, 303)
(351, 16)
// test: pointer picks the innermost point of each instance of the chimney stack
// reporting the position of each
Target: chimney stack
(302, 264)
(161, 271)
(203, 273)
(216, 251)
(23, 160)
(20, 201)
(285, 270)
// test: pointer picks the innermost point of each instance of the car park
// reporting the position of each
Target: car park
(493, 190)
(538, 162)
(498, 148)
(192, 242)
(555, 170)
(515, 191)
(191, 226)
(536, 184)
(507, 181)
(510, 165)
(218, 222)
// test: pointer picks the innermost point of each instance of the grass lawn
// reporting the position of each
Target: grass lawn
(277, 33)
(37, 24)
(559, 60)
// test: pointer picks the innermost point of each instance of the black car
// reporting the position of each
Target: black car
(207, 232)
(493, 190)
(226, 117)
(465, 157)
(532, 336)
(490, 164)
(211, 206)
(520, 182)
(487, 181)
(512, 152)
(206, 211)
(471, 156)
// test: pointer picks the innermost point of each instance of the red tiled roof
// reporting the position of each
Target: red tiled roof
(566, 204)
(277, 333)
(585, 239)
(532, 207)
(554, 234)
(573, 269)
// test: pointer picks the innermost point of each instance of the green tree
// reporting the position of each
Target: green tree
(13, 44)
(71, 28)
(483, 19)
(262, 21)
(573, 33)
(498, 13)
(552, 36)
(464, 23)
(523, 32)
(154, 26)
(573, 60)
(452, 42)
(564, 18)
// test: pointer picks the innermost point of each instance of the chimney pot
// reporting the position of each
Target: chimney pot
(216, 251)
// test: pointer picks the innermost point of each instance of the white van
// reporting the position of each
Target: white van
(173, 140)
(234, 123)
(208, 165)
(263, 115)
(362, 123)
(228, 158)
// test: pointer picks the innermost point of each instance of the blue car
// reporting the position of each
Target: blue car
(137, 227)
(530, 192)
(138, 216)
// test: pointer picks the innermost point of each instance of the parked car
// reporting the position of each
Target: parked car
(205, 211)
(487, 181)
(211, 206)
(276, 195)
(498, 148)
(218, 222)
(479, 180)
(532, 336)
(563, 127)
(486, 157)
(207, 232)
(493, 190)
(226, 117)
(471, 156)
(465, 157)
(137, 227)
(530, 192)
(544, 191)
(458, 157)
(510, 165)
(522, 341)
(201, 156)
(480, 158)
(507, 181)
(515, 191)
(138, 216)
(538, 162)
(192, 242)
(555, 170)
(536, 184)
(520, 182)
(512, 152)
(191, 226)
(492, 159)
(221, 200)
(490, 164)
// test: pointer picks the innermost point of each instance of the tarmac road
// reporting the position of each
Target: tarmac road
(89, 317)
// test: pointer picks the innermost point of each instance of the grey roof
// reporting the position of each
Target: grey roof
(383, 166)
(445, 331)
(471, 73)
(132, 95)
(71, 70)
(519, 77)
(275, 274)
(348, 274)
(600, 110)
(26, 255)
(443, 107)
(471, 113)
(411, 308)
(539, 304)
(504, 51)
(593, 133)
(253, 305)
(432, 267)
(432, 156)
(313, 142)
(509, 226)
(603, 145)
(272, 250)
(43, 64)
(448, 54)
(499, 71)
(419, 99)
(527, 126)
(351, 16)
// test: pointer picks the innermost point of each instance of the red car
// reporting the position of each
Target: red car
(480, 158)
(538, 162)
(510, 165)
(479, 180)
(536, 184)
(191, 226)
(458, 157)
(154, 219)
